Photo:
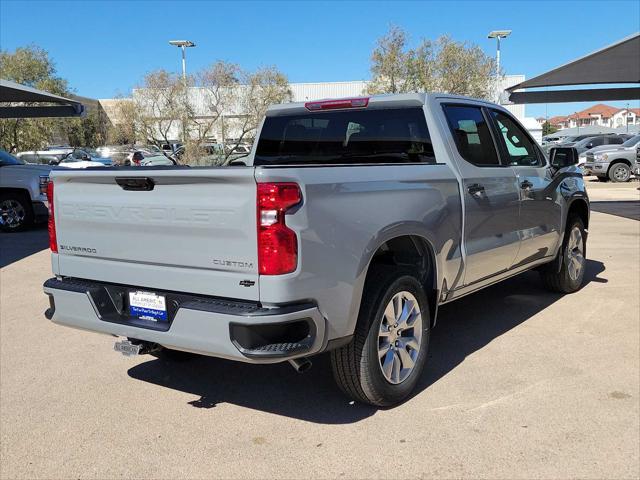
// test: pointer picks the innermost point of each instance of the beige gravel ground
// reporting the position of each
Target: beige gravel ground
(520, 383)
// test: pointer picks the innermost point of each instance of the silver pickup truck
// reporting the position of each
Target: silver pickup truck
(614, 162)
(23, 187)
(350, 223)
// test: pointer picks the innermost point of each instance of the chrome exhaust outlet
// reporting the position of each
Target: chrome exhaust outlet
(301, 364)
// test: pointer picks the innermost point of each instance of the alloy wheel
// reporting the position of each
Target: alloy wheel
(12, 213)
(399, 337)
(575, 254)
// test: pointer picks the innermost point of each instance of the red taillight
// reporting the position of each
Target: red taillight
(335, 104)
(53, 241)
(277, 243)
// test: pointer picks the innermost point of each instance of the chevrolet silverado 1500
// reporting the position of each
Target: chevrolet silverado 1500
(350, 223)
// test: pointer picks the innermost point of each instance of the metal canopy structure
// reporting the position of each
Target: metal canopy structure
(616, 64)
(38, 103)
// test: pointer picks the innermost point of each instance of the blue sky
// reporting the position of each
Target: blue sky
(105, 47)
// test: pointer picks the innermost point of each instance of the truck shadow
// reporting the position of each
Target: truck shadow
(464, 327)
(16, 246)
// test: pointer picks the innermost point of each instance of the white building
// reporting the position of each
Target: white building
(301, 92)
(599, 115)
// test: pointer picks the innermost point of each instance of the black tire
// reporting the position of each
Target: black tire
(356, 366)
(564, 281)
(619, 172)
(603, 179)
(16, 212)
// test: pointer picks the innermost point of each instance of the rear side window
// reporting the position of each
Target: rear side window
(472, 135)
(615, 140)
(346, 137)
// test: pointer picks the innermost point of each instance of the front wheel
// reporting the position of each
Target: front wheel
(620, 172)
(382, 364)
(16, 213)
(569, 278)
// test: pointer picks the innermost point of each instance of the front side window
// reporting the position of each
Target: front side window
(615, 140)
(472, 135)
(355, 136)
(520, 149)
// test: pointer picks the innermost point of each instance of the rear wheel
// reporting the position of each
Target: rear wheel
(569, 278)
(383, 363)
(15, 212)
(620, 172)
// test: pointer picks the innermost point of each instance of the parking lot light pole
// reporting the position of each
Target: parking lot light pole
(183, 45)
(498, 34)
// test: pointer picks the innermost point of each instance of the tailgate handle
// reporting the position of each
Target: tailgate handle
(141, 184)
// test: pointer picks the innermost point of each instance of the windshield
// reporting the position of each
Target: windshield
(631, 142)
(7, 159)
(346, 137)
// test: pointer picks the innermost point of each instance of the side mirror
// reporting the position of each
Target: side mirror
(54, 162)
(562, 157)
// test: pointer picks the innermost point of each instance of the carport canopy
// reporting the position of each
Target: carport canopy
(37, 103)
(614, 65)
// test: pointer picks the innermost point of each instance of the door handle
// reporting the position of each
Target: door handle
(476, 189)
(526, 185)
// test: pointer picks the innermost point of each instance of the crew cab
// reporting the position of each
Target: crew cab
(351, 221)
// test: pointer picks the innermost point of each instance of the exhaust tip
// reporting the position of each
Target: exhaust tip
(301, 364)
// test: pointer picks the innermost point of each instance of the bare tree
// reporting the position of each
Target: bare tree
(442, 65)
(160, 107)
(257, 91)
(217, 91)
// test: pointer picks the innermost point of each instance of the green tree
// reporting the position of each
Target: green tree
(30, 66)
(548, 129)
(442, 65)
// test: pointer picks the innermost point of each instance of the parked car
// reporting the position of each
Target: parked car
(596, 141)
(80, 158)
(551, 140)
(143, 158)
(628, 142)
(615, 163)
(43, 157)
(117, 153)
(23, 188)
(353, 220)
(169, 148)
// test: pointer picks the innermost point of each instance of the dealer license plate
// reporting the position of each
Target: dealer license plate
(148, 306)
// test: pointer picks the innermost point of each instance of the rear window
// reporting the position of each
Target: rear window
(346, 137)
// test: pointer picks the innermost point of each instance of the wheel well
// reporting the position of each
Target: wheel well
(415, 252)
(580, 209)
(619, 160)
(17, 191)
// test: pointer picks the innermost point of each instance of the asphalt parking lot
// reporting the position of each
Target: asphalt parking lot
(521, 383)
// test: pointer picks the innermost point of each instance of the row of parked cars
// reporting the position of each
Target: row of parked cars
(25, 175)
(102, 156)
(609, 157)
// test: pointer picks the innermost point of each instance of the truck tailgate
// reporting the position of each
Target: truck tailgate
(190, 230)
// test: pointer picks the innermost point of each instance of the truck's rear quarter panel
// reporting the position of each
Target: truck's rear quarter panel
(347, 213)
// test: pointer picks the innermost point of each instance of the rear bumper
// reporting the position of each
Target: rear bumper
(234, 330)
